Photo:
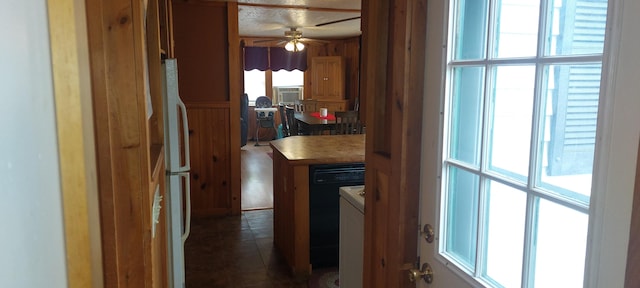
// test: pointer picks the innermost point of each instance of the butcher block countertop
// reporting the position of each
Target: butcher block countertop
(305, 150)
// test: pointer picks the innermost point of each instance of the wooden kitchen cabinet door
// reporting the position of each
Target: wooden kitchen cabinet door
(328, 76)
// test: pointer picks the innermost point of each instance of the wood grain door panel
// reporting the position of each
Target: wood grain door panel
(210, 161)
(393, 60)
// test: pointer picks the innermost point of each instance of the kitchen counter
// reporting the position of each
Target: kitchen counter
(291, 159)
(322, 149)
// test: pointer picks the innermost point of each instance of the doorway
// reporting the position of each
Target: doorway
(256, 162)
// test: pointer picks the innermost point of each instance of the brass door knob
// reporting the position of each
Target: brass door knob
(426, 273)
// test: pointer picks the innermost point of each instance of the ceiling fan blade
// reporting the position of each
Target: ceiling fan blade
(313, 40)
(268, 40)
(337, 21)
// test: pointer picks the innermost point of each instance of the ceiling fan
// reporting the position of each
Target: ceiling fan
(292, 39)
(338, 21)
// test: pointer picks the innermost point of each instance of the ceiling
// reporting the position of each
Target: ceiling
(271, 18)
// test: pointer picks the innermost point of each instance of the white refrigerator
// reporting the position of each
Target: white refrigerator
(176, 144)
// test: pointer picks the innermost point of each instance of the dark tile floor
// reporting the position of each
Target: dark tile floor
(235, 251)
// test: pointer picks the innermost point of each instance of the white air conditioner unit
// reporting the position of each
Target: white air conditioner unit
(287, 95)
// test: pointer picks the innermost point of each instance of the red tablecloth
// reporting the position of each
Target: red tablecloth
(329, 116)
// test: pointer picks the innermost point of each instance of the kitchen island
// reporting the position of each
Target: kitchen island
(292, 157)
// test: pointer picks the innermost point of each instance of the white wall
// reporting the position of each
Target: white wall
(32, 236)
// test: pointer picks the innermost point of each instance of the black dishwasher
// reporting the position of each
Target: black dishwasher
(324, 209)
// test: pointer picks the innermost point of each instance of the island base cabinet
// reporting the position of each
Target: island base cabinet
(291, 213)
(292, 158)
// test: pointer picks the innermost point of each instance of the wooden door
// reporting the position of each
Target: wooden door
(334, 89)
(392, 81)
(607, 234)
(319, 71)
(436, 36)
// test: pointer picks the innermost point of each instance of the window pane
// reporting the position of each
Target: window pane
(505, 234)
(517, 28)
(560, 246)
(510, 122)
(575, 27)
(254, 84)
(462, 216)
(466, 114)
(571, 94)
(287, 78)
(471, 35)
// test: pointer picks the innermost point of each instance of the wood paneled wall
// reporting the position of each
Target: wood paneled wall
(207, 49)
(210, 159)
(201, 47)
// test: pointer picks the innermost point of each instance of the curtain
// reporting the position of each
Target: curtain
(283, 59)
(274, 58)
(256, 58)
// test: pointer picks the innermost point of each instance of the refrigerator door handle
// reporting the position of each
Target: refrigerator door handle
(185, 136)
(187, 203)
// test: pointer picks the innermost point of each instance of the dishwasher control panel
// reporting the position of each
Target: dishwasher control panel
(337, 173)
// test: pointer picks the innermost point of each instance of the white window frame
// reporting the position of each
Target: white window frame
(616, 148)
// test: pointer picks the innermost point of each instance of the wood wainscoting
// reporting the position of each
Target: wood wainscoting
(209, 133)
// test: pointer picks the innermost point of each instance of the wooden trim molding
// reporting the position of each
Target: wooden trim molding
(235, 91)
(74, 121)
(214, 105)
(299, 7)
(117, 46)
(394, 39)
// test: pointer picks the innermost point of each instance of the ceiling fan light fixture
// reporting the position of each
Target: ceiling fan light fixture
(294, 46)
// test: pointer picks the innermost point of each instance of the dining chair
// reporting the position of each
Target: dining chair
(308, 105)
(283, 120)
(291, 120)
(347, 122)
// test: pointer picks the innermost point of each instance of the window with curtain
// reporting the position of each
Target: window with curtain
(286, 68)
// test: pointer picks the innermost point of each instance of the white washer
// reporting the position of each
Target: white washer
(351, 236)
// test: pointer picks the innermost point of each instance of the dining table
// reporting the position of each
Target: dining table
(312, 123)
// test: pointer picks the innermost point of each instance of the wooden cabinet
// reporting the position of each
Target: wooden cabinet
(333, 106)
(327, 78)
